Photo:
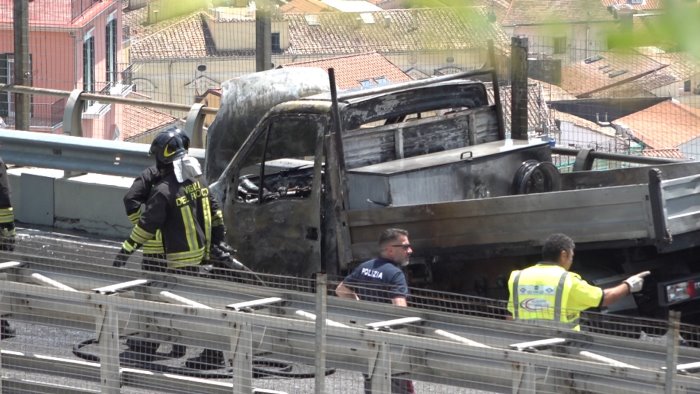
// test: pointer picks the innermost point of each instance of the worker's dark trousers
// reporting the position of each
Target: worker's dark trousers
(156, 263)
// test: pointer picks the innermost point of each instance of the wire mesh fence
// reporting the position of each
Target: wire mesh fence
(81, 325)
(599, 86)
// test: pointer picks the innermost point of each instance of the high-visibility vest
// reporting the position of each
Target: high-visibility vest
(541, 293)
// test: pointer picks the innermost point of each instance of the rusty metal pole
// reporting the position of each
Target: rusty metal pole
(263, 36)
(518, 77)
(22, 74)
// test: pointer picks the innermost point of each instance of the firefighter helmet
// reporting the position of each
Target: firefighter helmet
(168, 146)
(185, 138)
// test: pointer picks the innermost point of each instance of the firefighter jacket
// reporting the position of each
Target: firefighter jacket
(189, 217)
(7, 215)
(548, 292)
(135, 197)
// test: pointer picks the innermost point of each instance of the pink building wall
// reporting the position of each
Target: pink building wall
(56, 46)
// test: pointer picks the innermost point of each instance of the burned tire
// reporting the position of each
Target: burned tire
(536, 177)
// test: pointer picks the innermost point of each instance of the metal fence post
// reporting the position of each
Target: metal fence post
(194, 125)
(380, 368)
(73, 114)
(242, 348)
(321, 302)
(674, 318)
(107, 330)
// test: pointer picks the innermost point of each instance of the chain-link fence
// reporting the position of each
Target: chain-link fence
(604, 83)
(75, 318)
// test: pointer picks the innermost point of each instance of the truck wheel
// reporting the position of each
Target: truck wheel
(536, 177)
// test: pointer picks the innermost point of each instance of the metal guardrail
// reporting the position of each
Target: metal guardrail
(77, 154)
(436, 347)
(72, 114)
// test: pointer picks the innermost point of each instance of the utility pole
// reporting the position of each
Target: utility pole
(263, 35)
(22, 75)
(518, 90)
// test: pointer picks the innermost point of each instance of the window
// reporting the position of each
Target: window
(559, 45)
(366, 84)
(7, 105)
(111, 52)
(287, 148)
(686, 86)
(89, 64)
(275, 45)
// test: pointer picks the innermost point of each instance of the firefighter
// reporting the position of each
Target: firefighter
(188, 216)
(548, 292)
(7, 233)
(153, 252)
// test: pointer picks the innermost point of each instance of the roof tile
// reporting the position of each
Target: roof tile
(605, 70)
(351, 69)
(663, 126)
(530, 12)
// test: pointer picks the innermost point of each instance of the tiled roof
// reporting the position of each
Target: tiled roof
(534, 12)
(137, 120)
(589, 76)
(665, 125)
(646, 5)
(576, 132)
(672, 153)
(336, 33)
(394, 31)
(304, 6)
(538, 114)
(680, 67)
(181, 38)
(351, 69)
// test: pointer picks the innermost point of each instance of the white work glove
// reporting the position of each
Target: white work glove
(635, 282)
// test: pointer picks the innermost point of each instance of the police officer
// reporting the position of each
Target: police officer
(7, 233)
(187, 215)
(548, 292)
(153, 252)
(382, 280)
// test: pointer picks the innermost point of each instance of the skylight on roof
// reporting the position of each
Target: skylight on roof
(367, 18)
(381, 81)
(366, 83)
(312, 19)
(617, 73)
(593, 59)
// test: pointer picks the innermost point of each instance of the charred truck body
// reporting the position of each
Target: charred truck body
(309, 191)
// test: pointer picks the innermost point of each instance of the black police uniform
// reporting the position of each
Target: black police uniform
(380, 280)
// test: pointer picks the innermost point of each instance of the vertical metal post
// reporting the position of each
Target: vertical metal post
(496, 92)
(518, 80)
(108, 338)
(381, 373)
(321, 303)
(242, 348)
(263, 36)
(674, 318)
(22, 73)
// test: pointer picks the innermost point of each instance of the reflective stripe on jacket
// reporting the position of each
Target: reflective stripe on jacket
(542, 293)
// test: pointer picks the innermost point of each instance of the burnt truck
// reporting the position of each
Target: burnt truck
(312, 185)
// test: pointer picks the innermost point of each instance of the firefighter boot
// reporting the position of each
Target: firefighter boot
(177, 351)
(141, 350)
(209, 359)
(6, 332)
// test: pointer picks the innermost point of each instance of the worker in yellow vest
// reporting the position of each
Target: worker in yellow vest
(548, 293)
